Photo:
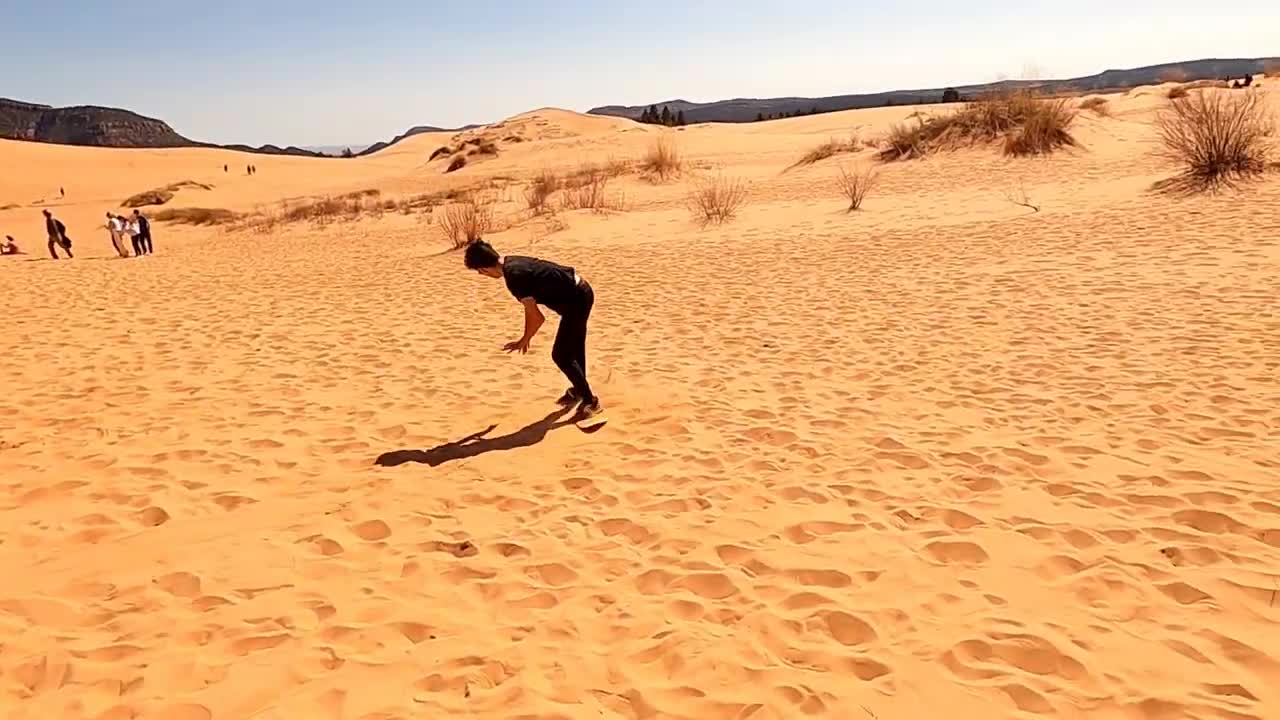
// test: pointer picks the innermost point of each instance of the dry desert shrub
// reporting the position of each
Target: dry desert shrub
(1218, 138)
(539, 192)
(1025, 123)
(1178, 91)
(150, 197)
(830, 148)
(593, 194)
(440, 151)
(855, 185)
(196, 216)
(662, 161)
(466, 221)
(457, 164)
(717, 200)
(1099, 106)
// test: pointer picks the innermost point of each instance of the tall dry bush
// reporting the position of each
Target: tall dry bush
(855, 185)
(539, 192)
(1217, 137)
(662, 161)
(717, 200)
(466, 221)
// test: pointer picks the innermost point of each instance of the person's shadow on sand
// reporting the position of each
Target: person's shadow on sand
(477, 444)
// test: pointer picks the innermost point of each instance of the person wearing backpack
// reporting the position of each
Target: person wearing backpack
(57, 235)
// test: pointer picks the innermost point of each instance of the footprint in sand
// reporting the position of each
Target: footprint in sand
(371, 530)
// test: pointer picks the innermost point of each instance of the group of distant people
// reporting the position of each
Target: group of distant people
(248, 169)
(136, 228)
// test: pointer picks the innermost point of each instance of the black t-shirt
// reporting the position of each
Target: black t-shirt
(548, 283)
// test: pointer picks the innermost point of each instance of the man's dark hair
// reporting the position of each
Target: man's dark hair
(47, 213)
(480, 255)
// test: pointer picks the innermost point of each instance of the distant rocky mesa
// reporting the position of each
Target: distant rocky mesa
(756, 109)
(105, 127)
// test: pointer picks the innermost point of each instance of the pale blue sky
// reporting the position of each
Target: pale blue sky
(311, 73)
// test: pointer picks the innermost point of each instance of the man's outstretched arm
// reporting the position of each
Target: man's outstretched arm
(533, 320)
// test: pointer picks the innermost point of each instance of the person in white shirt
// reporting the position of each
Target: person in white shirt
(115, 226)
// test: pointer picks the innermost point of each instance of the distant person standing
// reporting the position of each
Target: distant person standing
(142, 240)
(62, 192)
(57, 235)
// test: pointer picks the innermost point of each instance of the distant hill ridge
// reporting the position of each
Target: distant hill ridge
(94, 126)
(752, 109)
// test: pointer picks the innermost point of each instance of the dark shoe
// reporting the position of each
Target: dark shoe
(569, 397)
(589, 409)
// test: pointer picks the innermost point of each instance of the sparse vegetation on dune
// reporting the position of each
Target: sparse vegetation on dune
(1177, 91)
(196, 216)
(457, 163)
(443, 151)
(539, 192)
(160, 196)
(150, 197)
(465, 221)
(662, 161)
(717, 200)
(855, 185)
(1098, 105)
(1217, 137)
(593, 194)
(1022, 122)
(830, 148)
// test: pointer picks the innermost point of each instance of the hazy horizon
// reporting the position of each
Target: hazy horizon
(288, 74)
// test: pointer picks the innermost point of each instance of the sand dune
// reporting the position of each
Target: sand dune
(944, 457)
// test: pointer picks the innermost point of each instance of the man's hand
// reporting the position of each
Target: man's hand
(521, 346)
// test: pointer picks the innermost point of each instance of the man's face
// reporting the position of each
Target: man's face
(493, 272)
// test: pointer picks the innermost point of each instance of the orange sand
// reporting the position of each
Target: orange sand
(942, 458)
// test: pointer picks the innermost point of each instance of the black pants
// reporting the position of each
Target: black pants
(55, 244)
(570, 348)
(144, 239)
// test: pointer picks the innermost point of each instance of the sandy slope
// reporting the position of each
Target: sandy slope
(942, 458)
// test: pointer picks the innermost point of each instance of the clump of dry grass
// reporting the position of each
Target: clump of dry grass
(538, 193)
(1099, 106)
(323, 211)
(10, 206)
(196, 216)
(192, 184)
(593, 194)
(484, 147)
(830, 148)
(466, 221)
(855, 185)
(457, 163)
(150, 197)
(1177, 91)
(440, 151)
(1024, 123)
(717, 200)
(662, 161)
(1218, 138)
